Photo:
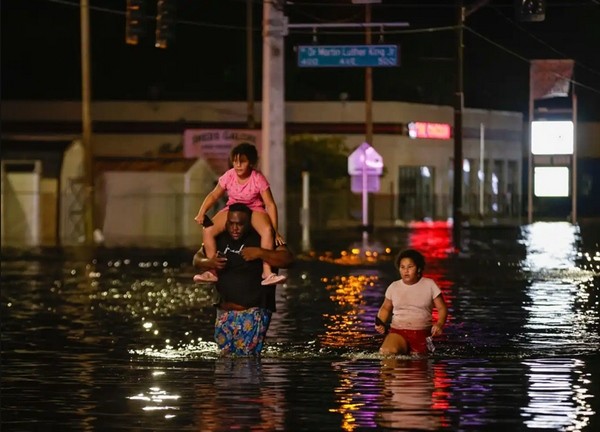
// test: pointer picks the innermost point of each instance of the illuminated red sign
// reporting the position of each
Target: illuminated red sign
(429, 130)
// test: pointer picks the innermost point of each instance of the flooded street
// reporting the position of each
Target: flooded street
(121, 339)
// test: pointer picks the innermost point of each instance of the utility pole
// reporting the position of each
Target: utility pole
(273, 105)
(250, 64)
(459, 103)
(368, 83)
(86, 120)
(458, 132)
(275, 27)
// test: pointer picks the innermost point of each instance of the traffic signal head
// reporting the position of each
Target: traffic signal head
(134, 20)
(530, 10)
(165, 23)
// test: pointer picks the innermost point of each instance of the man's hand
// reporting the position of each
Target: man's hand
(250, 253)
(217, 262)
(280, 257)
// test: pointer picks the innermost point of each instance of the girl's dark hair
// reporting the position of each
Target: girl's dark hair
(245, 149)
(414, 255)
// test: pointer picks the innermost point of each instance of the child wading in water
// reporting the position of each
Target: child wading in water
(408, 305)
(243, 184)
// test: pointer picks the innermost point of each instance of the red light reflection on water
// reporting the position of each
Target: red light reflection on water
(441, 394)
(432, 239)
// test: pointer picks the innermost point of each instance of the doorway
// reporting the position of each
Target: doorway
(415, 193)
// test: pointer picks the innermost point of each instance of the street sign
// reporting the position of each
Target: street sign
(372, 184)
(365, 158)
(348, 55)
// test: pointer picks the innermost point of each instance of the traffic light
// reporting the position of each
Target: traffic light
(134, 20)
(165, 23)
(530, 10)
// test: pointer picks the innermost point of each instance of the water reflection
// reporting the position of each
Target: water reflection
(356, 401)
(414, 395)
(157, 399)
(551, 245)
(435, 242)
(352, 324)
(120, 339)
(473, 395)
(393, 393)
(243, 395)
(558, 395)
(559, 306)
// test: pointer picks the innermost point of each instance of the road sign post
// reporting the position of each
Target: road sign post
(365, 164)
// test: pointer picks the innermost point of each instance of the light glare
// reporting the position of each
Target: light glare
(551, 182)
(552, 137)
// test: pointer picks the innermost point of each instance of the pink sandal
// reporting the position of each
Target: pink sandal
(273, 279)
(207, 276)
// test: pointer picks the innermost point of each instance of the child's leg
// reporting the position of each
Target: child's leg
(209, 235)
(262, 224)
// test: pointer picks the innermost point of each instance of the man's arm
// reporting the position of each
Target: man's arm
(281, 257)
(202, 262)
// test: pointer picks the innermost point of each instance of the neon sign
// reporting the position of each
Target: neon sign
(429, 130)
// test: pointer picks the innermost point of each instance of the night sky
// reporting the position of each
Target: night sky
(40, 54)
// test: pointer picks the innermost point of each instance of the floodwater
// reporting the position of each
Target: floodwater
(119, 339)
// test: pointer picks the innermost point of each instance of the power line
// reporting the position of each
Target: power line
(497, 45)
(388, 32)
(547, 45)
(434, 5)
(514, 54)
(152, 17)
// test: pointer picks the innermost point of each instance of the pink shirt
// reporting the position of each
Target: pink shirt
(247, 193)
(413, 304)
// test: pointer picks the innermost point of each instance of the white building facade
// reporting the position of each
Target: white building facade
(416, 185)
